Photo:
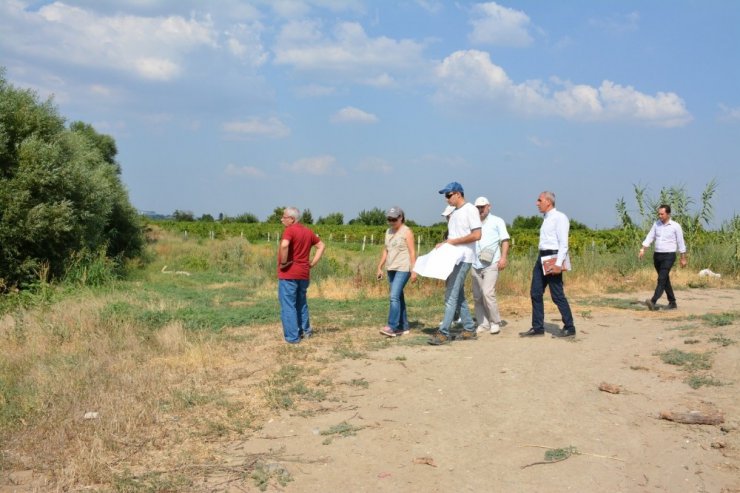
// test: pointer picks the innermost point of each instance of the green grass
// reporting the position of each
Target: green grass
(622, 304)
(688, 361)
(343, 429)
(722, 340)
(719, 319)
(696, 381)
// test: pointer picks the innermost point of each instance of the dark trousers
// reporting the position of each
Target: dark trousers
(539, 282)
(663, 263)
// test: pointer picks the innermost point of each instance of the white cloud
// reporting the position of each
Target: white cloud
(353, 115)
(431, 6)
(471, 80)
(244, 42)
(617, 23)
(537, 142)
(315, 91)
(249, 171)
(317, 165)
(348, 52)
(256, 127)
(497, 25)
(375, 165)
(729, 114)
(153, 48)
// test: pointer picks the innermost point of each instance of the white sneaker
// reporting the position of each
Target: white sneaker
(495, 328)
(480, 329)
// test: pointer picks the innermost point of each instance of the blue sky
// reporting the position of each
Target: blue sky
(344, 105)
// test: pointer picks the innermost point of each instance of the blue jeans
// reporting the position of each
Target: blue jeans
(455, 299)
(397, 318)
(294, 309)
(539, 282)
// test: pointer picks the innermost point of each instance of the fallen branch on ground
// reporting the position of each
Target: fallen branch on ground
(694, 417)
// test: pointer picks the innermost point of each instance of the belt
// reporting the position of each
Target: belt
(548, 252)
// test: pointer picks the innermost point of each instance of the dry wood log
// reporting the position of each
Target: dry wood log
(694, 417)
(610, 387)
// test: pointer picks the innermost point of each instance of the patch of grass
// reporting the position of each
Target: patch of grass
(343, 429)
(696, 381)
(691, 341)
(359, 382)
(722, 340)
(719, 319)
(685, 327)
(400, 358)
(558, 454)
(346, 350)
(688, 361)
(149, 482)
(191, 398)
(619, 303)
(263, 473)
(283, 388)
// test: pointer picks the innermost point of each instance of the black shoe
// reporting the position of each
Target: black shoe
(672, 306)
(564, 333)
(651, 306)
(532, 332)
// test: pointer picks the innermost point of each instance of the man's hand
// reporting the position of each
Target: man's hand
(502, 263)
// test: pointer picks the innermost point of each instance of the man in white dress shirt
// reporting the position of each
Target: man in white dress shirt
(553, 241)
(668, 237)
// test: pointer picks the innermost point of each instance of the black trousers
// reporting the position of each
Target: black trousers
(663, 263)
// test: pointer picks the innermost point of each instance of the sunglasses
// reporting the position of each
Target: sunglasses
(449, 194)
(392, 219)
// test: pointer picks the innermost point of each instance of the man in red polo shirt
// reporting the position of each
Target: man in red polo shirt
(294, 272)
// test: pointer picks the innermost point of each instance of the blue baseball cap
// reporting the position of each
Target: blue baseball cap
(452, 187)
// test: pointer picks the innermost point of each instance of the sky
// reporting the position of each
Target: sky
(242, 106)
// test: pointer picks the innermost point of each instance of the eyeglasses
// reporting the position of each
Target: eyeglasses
(480, 207)
(392, 219)
(449, 194)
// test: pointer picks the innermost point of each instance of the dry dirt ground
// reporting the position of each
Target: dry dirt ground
(480, 416)
(471, 415)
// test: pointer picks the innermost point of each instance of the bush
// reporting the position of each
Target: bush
(60, 192)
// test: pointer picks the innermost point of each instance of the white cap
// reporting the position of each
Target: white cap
(481, 201)
(448, 210)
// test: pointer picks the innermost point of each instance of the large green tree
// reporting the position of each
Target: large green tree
(60, 191)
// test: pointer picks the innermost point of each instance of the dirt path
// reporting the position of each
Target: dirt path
(477, 412)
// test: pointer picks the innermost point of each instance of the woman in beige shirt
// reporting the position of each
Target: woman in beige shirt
(398, 257)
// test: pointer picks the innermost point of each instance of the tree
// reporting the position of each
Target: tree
(246, 217)
(206, 218)
(530, 222)
(334, 219)
(373, 217)
(105, 143)
(306, 217)
(60, 195)
(276, 216)
(179, 215)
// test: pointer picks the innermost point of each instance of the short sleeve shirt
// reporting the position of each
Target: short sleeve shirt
(462, 222)
(301, 240)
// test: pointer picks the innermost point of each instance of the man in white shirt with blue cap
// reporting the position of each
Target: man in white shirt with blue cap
(463, 230)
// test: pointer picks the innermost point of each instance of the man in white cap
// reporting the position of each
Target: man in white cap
(491, 253)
